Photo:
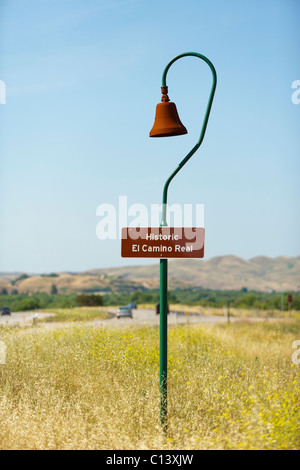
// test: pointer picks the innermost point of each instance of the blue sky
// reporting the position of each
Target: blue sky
(82, 82)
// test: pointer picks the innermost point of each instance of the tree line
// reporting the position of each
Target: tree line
(204, 297)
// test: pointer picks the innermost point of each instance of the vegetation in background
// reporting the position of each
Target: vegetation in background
(40, 300)
(20, 278)
(211, 298)
(81, 314)
(204, 297)
(85, 300)
(54, 290)
(238, 298)
(50, 275)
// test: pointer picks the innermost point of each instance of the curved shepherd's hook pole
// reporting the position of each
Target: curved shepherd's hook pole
(164, 262)
(204, 125)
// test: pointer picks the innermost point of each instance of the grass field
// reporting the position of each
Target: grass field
(230, 387)
(78, 314)
(234, 312)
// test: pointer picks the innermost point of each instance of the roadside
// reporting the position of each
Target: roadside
(23, 318)
(105, 317)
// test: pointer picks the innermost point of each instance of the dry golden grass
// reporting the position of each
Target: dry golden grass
(231, 386)
(234, 312)
(76, 314)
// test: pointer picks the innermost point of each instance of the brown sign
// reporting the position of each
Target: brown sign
(162, 242)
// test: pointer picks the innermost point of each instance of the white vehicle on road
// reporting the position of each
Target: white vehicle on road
(124, 312)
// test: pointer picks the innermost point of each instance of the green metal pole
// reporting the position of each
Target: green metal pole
(164, 262)
(163, 342)
(204, 124)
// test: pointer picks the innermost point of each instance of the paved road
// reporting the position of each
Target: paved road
(148, 317)
(140, 317)
(22, 318)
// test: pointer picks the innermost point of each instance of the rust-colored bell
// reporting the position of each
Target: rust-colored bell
(167, 122)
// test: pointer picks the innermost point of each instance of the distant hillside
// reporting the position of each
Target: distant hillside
(223, 272)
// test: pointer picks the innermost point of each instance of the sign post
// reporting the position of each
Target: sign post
(290, 300)
(163, 242)
(167, 123)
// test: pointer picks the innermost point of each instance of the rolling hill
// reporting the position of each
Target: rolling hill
(223, 272)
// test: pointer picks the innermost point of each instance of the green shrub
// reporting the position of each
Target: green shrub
(89, 300)
(27, 304)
